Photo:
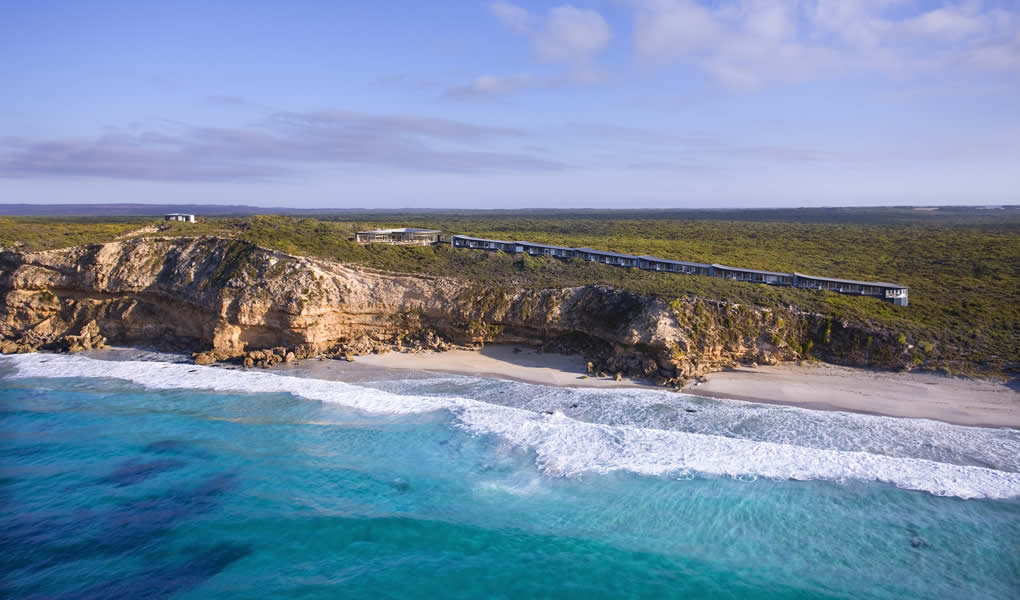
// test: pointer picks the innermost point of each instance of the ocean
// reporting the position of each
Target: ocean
(157, 478)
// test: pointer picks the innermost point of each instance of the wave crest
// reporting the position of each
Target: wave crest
(564, 446)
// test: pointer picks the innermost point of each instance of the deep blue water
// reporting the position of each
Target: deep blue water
(128, 480)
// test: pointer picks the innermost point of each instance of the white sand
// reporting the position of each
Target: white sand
(818, 386)
(500, 361)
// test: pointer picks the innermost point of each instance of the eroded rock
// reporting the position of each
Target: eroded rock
(236, 301)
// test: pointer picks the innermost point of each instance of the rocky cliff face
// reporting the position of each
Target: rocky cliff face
(228, 299)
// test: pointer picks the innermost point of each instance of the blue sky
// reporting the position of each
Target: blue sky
(605, 103)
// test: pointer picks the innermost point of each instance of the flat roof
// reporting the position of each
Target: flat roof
(605, 253)
(674, 262)
(474, 239)
(545, 246)
(718, 266)
(516, 243)
(874, 283)
(402, 230)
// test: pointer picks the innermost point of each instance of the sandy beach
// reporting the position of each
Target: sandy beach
(502, 362)
(817, 385)
(830, 387)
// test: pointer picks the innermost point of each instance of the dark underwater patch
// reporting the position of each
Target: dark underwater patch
(34, 542)
(180, 447)
(164, 582)
(135, 471)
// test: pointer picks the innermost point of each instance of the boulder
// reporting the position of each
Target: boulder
(204, 358)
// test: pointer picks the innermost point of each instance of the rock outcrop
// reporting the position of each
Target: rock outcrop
(230, 300)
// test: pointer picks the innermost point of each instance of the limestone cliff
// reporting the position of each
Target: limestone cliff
(225, 298)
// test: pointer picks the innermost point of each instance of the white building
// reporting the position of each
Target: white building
(179, 217)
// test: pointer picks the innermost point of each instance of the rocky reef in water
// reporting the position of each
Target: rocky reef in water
(229, 300)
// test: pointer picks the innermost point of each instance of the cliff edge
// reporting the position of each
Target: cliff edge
(227, 299)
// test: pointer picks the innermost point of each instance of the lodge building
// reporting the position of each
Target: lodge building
(891, 292)
(406, 236)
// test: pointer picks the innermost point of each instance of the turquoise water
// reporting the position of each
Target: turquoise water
(149, 479)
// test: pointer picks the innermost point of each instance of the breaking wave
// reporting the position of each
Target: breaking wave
(572, 432)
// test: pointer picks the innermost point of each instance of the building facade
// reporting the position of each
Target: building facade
(407, 236)
(890, 292)
(179, 217)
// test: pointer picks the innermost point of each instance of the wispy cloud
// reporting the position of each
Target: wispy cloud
(513, 16)
(571, 34)
(565, 33)
(486, 86)
(752, 43)
(494, 86)
(280, 144)
(566, 36)
(671, 167)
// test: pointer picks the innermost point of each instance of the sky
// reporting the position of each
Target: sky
(465, 104)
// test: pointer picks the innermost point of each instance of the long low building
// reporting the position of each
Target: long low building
(403, 236)
(894, 292)
(753, 275)
(891, 292)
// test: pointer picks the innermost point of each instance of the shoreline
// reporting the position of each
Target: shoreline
(503, 361)
(823, 386)
(812, 386)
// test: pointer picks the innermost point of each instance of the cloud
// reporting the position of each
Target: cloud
(279, 145)
(572, 34)
(122, 157)
(513, 16)
(1004, 56)
(665, 29)
(485, 86)
(656, 165)
(566, 33)
(741, 44)
(949, 22)
(491, 86)
(340, 122)
(752, 43)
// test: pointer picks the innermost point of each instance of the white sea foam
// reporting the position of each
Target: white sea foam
(564, 445)
(998, 448)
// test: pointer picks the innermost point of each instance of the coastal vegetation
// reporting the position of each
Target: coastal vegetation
(963, 271)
